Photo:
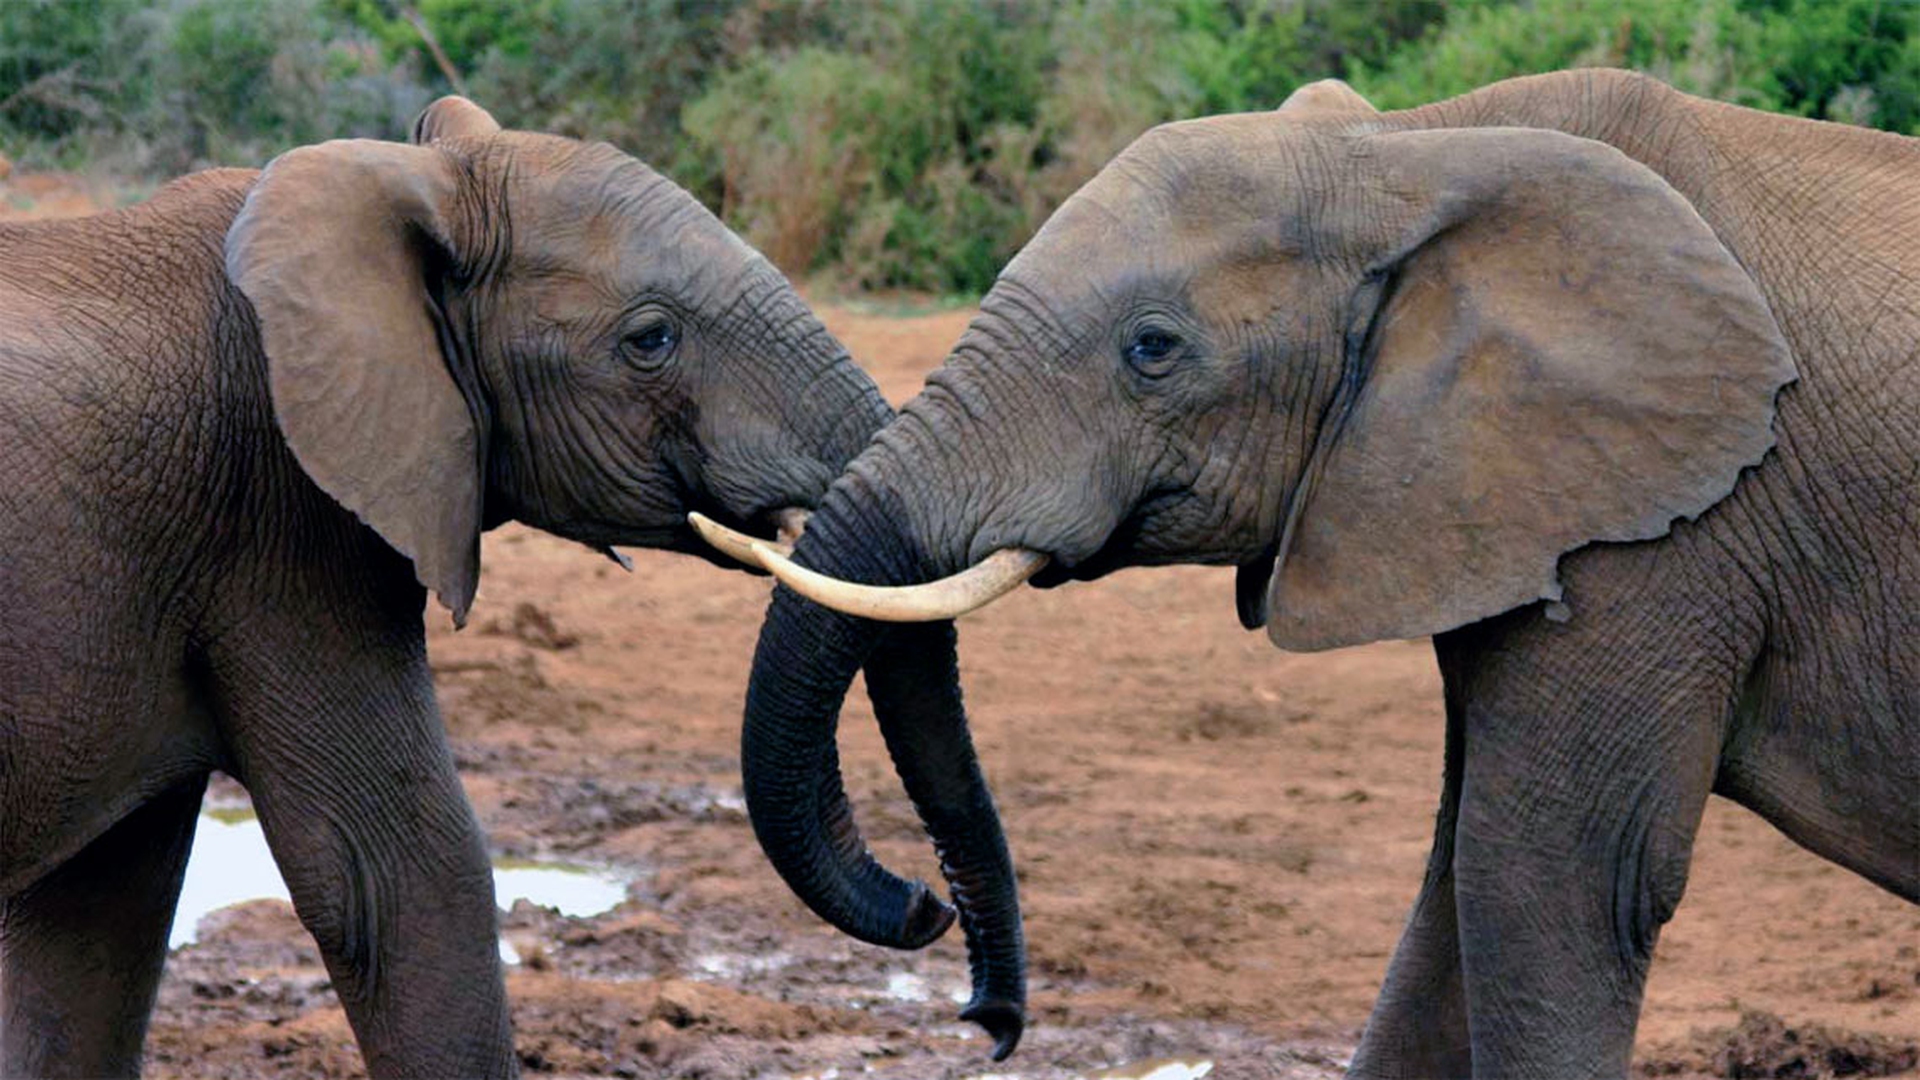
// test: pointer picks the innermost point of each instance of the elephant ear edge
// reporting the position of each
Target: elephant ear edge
(1326, 97)
(332, 249)
(1559, 351)
(452, 117)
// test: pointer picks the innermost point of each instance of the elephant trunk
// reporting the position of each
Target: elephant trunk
(804, 663)
(791, 772)
(914, 681)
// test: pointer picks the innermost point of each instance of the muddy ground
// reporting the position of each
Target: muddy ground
(1217, 843)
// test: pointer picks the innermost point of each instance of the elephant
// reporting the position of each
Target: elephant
(1599, 385)
(245, 427)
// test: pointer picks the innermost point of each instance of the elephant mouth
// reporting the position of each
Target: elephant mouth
(726, 540)
(1115, 554)
(1005, 569)
(776, 527)
(1250, 581)
(1122, 548)
(1129, 545)
(734, 546)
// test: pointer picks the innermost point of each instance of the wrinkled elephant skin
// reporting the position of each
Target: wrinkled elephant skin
(1607, 388)
(244, 428)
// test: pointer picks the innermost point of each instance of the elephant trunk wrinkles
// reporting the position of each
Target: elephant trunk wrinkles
(925, 727)
(803, 665)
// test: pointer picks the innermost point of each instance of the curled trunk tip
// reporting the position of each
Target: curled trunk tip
(1003, 1020)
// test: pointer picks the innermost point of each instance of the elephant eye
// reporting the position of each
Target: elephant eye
(1151, 350)
(651, 343)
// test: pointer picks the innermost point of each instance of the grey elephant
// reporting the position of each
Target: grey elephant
(1610, 389)
(243, 427)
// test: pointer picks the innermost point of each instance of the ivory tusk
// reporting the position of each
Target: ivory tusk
(949, 598)
(739, 545)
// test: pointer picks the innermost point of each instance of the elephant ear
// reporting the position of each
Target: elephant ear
(1552, 349)
(334, 248)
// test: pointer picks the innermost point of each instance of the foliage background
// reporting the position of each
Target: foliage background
(908, 144)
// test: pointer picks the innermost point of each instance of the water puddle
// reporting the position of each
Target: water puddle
(569, 888)
(230, 864)
(900, 986)
(1162, 1069)
(735, 966)
(1158, 1069)
(906, 986)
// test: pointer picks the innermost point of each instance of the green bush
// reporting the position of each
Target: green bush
(912, 144)
(1797, 56)
(164, 88)
(1862, 55)
(1484, 42)
(877, 149)
(233, 78)
(801, 140)
(619, 70)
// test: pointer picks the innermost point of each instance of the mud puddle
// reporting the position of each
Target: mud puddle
(231, 864)
(1156, 1070)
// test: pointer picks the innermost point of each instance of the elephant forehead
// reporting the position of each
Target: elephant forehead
(624, 229)
(1236, 166)
(1213, 227)
(1196, 177)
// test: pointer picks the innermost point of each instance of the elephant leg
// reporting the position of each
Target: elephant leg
(341, 746)
(82, 948)
(1587, 763)
(1418, 1029)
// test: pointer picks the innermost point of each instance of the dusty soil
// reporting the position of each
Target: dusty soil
(1217, 841)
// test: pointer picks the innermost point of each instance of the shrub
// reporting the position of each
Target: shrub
(51, 77)
(911, 144)
(1862, 54)
(797, 139)
(1798, 56)
(186, 83)
(236, 80)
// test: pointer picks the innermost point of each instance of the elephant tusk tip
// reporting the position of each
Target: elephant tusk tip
(1003, 1020)
(731, 542)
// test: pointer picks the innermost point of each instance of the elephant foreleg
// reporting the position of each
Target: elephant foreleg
(1418, 1029)
(1587, 764)
(81, 949)
(343, 752)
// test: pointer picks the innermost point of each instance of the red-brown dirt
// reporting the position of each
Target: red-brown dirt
(1218, 843)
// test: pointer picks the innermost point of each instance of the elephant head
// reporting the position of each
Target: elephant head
(1391, 374)
(491, 325)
